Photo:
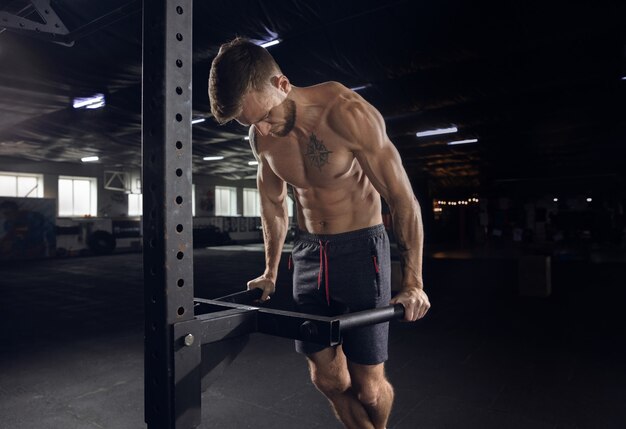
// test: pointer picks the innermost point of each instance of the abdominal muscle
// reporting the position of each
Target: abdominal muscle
(334, 211)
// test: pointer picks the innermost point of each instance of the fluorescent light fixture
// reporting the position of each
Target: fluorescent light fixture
(253, 163)
(437, 132)
(556, 200)
(462, 142)
(270, 43)
(589, 200)
(90, 159)
(95, 106)
(212, 158)
(197, 120)
(96, 100)
(358, 88)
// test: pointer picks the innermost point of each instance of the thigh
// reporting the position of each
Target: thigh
(306, 295)
(360, 273)
(364, 285)
(367, 345)
(365, 376)
(329, 364)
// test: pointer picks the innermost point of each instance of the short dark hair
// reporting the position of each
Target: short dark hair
(239, 66)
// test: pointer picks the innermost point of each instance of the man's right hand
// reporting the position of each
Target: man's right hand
(265, 284)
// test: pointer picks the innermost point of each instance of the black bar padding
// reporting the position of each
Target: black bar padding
(370, 317)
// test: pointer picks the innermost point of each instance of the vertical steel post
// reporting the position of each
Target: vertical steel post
(167, 228)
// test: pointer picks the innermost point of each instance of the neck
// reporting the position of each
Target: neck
(307, 111)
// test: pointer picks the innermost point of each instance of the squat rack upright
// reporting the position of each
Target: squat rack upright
(167, 220)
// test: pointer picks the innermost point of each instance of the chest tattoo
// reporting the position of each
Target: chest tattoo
(316, 152)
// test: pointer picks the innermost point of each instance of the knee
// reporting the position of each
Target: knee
(330, 384)
(370, 394)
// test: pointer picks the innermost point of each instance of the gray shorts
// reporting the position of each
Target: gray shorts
(344, 273)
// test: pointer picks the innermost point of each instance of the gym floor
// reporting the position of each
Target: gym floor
(71, 348)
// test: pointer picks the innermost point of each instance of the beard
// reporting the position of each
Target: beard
(290, 119)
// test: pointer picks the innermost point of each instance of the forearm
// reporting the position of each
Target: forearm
(275, 223)
(408, 230)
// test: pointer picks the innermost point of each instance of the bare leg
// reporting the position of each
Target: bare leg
(373, 391)
(360, 401)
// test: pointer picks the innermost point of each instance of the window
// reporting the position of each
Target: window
(135, 204)
(193, 200)
(21, 185)
(78, 196)
(225, 201)
(251, 202)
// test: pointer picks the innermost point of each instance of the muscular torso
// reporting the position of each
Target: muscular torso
(332, 192)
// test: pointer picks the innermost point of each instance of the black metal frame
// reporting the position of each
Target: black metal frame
(170, 368)
(222, 320)
(53, 29)
(176, 327)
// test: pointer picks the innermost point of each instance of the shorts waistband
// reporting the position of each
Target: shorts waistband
(368, 232)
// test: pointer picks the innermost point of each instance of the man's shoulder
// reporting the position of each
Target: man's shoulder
(328, 92)
(348, 106)
(349, 115)
(331, 86)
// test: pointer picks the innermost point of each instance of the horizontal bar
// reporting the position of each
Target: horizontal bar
(244, 297)
(288, 324)
(299, 326)
(370, 317)
(226, 324)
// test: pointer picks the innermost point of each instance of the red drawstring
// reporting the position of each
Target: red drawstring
(324, 268)
(376, 264)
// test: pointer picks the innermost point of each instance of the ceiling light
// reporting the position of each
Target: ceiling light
(462, 142)
(589, 200)
(437, 132)
(90, 159)
(556, 200)
(212, 158)
(197, 120)
(623, 77)
(96, 100)
(270, 43)
(95, 106)
(358, 88)
(253, 163)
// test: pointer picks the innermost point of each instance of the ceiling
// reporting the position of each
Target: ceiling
(538, 83)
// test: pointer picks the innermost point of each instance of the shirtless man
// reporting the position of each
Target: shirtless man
(331, 146)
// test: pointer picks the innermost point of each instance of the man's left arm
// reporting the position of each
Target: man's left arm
(365, 129)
